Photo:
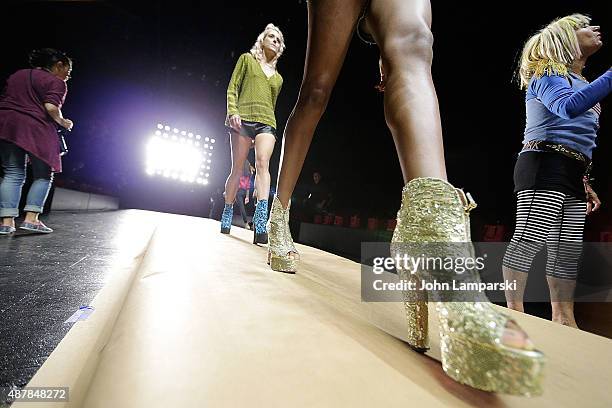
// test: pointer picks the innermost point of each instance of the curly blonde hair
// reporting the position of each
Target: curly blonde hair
(552, 50)
(257, 49)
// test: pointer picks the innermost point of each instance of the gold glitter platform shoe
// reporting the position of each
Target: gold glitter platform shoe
(282, 255)
(433, 222)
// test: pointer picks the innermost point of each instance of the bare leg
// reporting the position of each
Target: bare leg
(561, 295)
(514, 298)
(264, 146)
(240, 150)
(402, 30)
(331, 24)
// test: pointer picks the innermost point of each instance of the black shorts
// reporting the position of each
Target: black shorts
(549, 171)
(252, 129)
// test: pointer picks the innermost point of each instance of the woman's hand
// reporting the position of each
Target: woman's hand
(235, 122)
(246, 199)
(593, 202)
(67, 123)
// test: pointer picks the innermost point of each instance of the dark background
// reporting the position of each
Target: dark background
(137, 63)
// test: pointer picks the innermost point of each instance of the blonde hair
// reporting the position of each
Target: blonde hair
(257, 50)
(552, 50)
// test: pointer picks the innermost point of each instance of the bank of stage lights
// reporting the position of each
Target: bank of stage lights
(179, 155)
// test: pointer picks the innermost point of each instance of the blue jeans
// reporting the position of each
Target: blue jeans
(13, 161)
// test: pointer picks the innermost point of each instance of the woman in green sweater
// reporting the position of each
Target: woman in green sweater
(251, 99)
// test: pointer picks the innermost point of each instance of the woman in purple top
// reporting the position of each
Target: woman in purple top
(30, 111)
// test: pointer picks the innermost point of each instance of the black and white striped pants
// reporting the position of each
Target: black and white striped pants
(547, 218)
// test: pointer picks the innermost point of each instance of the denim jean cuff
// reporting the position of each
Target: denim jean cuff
(33, 208)
(9, 212)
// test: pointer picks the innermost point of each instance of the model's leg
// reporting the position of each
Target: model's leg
(264, 146)
(402, 30)
(240, 146)
(434, 211)
(331, 24)
(564, 248)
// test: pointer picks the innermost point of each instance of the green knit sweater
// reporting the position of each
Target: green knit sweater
(251, 94)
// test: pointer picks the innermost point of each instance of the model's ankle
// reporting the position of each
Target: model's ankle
(518, 306)
(565, 321)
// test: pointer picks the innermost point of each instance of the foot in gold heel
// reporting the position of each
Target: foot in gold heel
(480, 346)
(282, 255)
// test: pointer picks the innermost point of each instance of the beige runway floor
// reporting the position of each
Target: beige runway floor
(201, 321)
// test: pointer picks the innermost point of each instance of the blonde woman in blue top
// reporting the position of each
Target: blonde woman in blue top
(551, 175)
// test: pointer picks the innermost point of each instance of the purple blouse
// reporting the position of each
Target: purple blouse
(24, 120)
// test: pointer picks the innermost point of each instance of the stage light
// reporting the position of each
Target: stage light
(206, 139)
(176, 157)
(212, 140)
(211, 147)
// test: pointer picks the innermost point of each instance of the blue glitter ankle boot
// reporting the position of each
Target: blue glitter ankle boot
(260, 219)
(226, 218)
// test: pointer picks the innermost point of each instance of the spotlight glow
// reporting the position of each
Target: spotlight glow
(170, 154)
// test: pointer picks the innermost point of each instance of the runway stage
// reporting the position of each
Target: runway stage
(188, 317)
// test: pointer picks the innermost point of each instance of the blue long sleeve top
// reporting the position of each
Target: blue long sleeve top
(565, 110)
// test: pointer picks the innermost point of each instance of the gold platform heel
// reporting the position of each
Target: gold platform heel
(433, 221)
(280, 242)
